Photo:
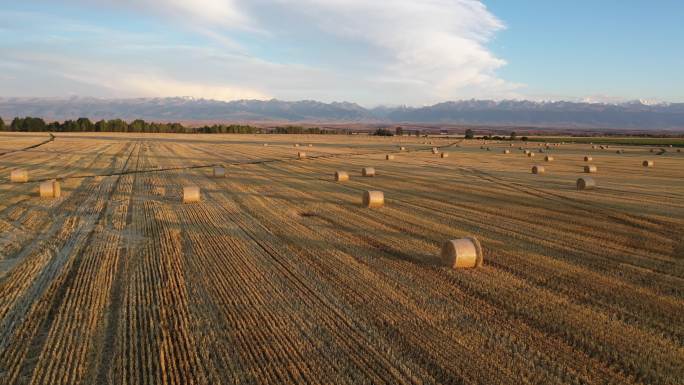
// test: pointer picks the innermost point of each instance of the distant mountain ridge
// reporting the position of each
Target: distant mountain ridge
(630, 115)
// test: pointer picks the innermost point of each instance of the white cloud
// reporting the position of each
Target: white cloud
(373, 52)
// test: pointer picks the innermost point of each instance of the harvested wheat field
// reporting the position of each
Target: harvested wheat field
(280, 275)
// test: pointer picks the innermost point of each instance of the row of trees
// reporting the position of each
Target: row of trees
(30, 124)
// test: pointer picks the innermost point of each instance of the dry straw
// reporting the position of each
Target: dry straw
(648, 163)
(588, 158)
(341, 176)
(590, 169)
(219, 172)
(301, 155)
(444, 155)
(373, 199)
(586, 183)
(548, 158)
(19, 176)
(368, 171)
(50, 189)
(538, 170)
(191, 194)
(389, 157)
(462, 253)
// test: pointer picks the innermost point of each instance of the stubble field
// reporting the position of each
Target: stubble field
(279, 275)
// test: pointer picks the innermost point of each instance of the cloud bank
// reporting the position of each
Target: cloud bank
(390, 52)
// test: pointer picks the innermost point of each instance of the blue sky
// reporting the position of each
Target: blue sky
(392, 52)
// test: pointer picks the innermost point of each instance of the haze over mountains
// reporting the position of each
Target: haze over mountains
(630, 115)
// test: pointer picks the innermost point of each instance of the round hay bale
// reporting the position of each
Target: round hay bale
(462, 253)
(191, 194)
(341, 176)
(538, 170)
(444, 155)
(389, 157)
(219, 172)
(373, 199)
(50, 189)
(265, 144)
(541, 150)
(586, 183)
(588, 158)
(489, 149)
(593, 147)
(548, 158)
(506, 151)
(19, 176)
(619, 151)
(510, 145)
(435, 150)
(309, 145)
(653, 150)
(368, 171)
(648, 163)
(530, 154)
(296, 145)
(301, 155)
(590, 169)
(402, 148)
(520, 148)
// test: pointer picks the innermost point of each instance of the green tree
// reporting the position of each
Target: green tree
(469, 134)
(84, 124)
(2, 124)
(399, 131)
(514, 135)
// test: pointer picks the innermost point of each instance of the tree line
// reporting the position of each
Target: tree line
(31, 124)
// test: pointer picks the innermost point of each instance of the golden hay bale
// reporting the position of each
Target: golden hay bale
(510, 145)
(50, 189)
(520, 148)
(588, 158)
(402, 148)
(296, 145)
(309, 145)
(301, 155)
(435, 150)
(191, 194)
(538, 170)
(586, 183)
(548, 158)
(506, 151)
(462, 253)
(341, 176)
(444, 155)
(219, 172)
(590, 169)
(373, 199)
(265, 144)
(368, 171)
(489, 149)
(593, 147)
(389, 157)
(648, 163)
(19, 176)
(530, 154)
(619, 151)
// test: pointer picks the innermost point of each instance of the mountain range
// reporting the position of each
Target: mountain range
(630, 115)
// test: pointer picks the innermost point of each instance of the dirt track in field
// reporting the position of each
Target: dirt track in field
(280, 276)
